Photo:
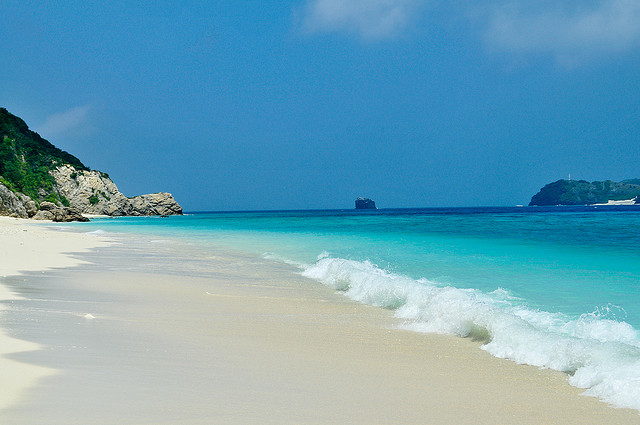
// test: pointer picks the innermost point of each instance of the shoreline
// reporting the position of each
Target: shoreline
(17, 377)
(277, 347)
(28, 247)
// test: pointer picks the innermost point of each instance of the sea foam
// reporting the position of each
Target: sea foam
(599, 351)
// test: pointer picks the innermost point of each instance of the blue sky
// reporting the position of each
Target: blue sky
(234, 105)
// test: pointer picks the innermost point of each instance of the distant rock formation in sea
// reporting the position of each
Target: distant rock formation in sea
(365, 204)
(582, 192)
(40, 181)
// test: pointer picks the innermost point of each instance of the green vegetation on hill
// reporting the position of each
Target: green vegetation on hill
(26, 158)
(582, 192)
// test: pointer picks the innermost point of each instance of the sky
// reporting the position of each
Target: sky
(308, 104)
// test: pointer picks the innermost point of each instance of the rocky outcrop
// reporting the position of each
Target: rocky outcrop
(85, 192)
(161, 203)
(19, 205)
(365, 204)
(34, 172)
(93, 192)
(15, 204)
(53, 212)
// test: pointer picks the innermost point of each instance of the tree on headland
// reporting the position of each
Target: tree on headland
(26, 159)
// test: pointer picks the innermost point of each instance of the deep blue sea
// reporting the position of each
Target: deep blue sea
(555, 287)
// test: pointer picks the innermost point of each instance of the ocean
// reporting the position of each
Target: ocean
(553, 287)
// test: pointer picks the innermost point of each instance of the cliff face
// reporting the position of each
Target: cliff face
(93, 192)
(86, 197)
(582, 192)
(41, 181)
(16, 204)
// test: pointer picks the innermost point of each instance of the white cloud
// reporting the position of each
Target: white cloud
(72, 122)
(567, 30)
(371, 19)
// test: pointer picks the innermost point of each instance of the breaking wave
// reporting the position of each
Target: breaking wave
(599, 350)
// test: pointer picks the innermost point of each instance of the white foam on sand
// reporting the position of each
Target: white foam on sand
(27, 246)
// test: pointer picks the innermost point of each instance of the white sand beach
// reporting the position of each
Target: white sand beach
(28, 247)
(247, 341)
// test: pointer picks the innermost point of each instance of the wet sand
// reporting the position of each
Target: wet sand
(25, 247)
(155, 334)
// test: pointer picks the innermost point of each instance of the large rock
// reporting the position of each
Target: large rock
(365, 204)
(16, 204)
(10, 203)
(51, 211)
(161, 203)
(93, 192)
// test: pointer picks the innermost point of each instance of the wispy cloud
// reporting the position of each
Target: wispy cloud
(72, 122)
(370, 19)
(567, 30)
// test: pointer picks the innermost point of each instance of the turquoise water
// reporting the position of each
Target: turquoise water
(552, 287)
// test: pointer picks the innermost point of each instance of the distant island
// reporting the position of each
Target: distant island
(582, 192)
(365, 204)
(41, 181)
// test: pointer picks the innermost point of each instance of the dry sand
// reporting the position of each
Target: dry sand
(249, 342)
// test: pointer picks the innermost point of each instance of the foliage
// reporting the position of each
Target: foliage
(26, 159)
(581, 192)
(93, 199)
(52, 197)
